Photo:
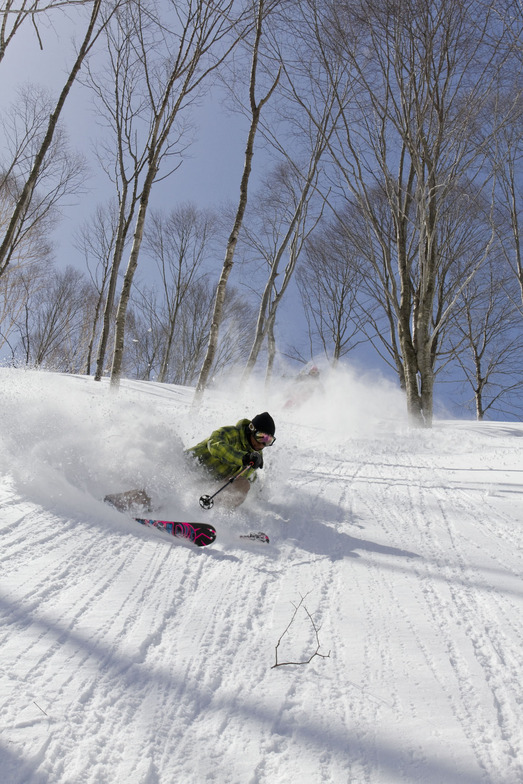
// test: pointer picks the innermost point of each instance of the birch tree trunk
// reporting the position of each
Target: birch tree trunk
(123, 224)
(121, 313)
(293, 240)
(240, 212)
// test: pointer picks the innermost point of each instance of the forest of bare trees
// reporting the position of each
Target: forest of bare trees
(380, 197)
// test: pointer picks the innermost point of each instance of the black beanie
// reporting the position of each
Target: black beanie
(264, 423)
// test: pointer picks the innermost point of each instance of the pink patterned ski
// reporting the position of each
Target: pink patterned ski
(200, 534)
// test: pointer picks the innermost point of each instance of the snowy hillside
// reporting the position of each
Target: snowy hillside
(127, 657)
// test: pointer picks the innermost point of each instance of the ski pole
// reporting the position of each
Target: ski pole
(206, 501)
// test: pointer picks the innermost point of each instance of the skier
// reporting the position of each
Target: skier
(224, 453)
(231, 448)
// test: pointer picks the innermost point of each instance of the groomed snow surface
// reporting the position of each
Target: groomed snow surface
(395, 566)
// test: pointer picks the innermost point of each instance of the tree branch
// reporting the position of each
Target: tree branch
(316, 634)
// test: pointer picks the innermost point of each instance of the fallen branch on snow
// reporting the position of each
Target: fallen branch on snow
(316, 632)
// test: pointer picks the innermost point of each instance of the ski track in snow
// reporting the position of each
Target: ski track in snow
(127, 657)
(466, 624)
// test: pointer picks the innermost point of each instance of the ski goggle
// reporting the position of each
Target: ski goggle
(264, 438)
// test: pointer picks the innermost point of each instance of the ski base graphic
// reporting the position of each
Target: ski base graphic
(199, 534)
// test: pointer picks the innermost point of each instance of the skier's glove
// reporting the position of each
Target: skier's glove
(252, 458)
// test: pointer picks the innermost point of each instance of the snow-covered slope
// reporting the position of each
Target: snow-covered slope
(126, 657)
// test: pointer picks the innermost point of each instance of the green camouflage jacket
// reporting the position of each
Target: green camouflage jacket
(223, 451)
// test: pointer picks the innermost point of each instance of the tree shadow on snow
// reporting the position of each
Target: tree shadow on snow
(321, 531)
(322, 539)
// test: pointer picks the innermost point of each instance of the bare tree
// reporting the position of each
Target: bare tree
(330, 283)
(285, 218)
(194, 323)
(421, 79)
(62, 172)
(31, 261)
(17, 287)
(96, 240)
(49, 327)
(179, 243)
(255, 110)
(119, 92)
(175, 63)
(236, 332)
(487, 343)
(465, 242)
(27, 189)
(148, 335)
(506, 155)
